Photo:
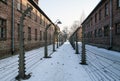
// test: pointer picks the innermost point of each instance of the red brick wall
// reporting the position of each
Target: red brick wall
(79, 34)
(5, 13)
(105, 20)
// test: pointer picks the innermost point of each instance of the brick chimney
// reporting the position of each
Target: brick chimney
(36, 1)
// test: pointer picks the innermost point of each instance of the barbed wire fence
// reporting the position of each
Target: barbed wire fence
(9, 66)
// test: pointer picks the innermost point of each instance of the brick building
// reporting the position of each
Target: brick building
(79, 34)
(102, 26)
(34, 25)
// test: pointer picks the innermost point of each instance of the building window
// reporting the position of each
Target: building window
(118, 3)
(106, 10)
(40, 35)
(18, 25)
(49, 36)
(85, 35)
(2, 29)
(29, 13)
(40, 19)
(4, 1)
(117, 29)
(95, 17)
(35, 34)
(44, 35)
(44, 21)
(99, 14)
(19, 5)
(106, 31)
(36, 15)
(95, 33)
(100, 32)
(91, 34)
(88, 34)
(91, 22)
(88, 24)
(29, 33)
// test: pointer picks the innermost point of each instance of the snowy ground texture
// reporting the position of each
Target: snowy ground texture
(103, 65)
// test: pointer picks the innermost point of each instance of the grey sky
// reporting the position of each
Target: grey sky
(67, 11)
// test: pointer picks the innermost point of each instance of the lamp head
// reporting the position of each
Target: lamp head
(59, 22)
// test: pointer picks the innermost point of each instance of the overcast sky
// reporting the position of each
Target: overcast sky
(67, 11)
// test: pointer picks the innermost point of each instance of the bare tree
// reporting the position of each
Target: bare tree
(77, 23)
(65, 31)
(82, 17)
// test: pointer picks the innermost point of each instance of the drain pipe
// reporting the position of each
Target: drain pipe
(12, 28)
(110, 47)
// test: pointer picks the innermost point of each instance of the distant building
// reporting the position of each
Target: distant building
(34, 25)
(102, 26)
(77, 33)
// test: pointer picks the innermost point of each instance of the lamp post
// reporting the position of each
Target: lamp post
(55, 32)
(45, 44)
(83, 56)
(77, 51)
(22, 74)
(73, 42)
(45, 49)
(58, 32)
(59, 39)
(111, 20)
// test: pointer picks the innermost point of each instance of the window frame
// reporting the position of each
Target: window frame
(118, 3)
(40, 35)
(100, 15)
(44, 35)
(117, 32)
(3, 30)
(106, 9)
(91, 21)
(100, 32)
(36, 34)
(106, 28)
(18, 29)
(36, 15)
(29, 33)
(30, 12)
(4, 1)
(96, 18)
(95, 33)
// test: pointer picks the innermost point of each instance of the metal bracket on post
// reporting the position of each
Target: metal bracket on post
(22, 74)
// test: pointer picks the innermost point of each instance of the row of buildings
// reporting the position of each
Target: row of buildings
(102, 26)
(34, 26)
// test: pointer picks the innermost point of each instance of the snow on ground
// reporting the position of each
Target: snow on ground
(103, 65)
(63, 66)
(9, 66)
